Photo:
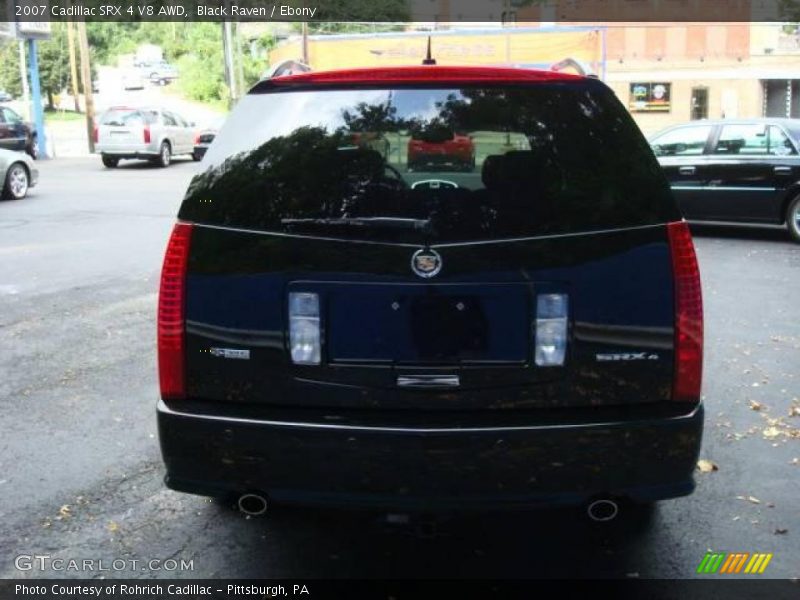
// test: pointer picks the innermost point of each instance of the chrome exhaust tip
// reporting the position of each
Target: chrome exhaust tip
(602, 510)
(252, 505)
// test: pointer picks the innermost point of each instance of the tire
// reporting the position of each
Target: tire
(32, 149)
(793, 219)
(164, 155)
(109, 161)
(196, 157)
(17, 182)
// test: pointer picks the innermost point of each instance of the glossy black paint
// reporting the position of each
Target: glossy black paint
(15, 133)
(511, 433)
(717, 185)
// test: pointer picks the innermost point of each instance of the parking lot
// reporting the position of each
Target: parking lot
(80, 470)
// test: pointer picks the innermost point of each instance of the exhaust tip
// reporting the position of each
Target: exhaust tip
(602, 510)
(253, 505)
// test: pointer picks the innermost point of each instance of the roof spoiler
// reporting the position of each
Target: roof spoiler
(580, 67)
(287, 67)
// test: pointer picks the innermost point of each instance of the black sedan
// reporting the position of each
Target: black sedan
(745, 171)
(16, 134)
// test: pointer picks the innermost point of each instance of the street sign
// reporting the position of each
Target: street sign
(25, 11)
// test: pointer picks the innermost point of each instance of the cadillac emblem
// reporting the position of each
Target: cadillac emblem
(426, 263)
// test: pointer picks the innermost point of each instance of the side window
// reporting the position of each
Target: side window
(181, 121)
(779, 143)
(169, 120)
(746, 139)
(11, 117)
(684, 141)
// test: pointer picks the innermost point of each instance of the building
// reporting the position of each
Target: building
(665, 73)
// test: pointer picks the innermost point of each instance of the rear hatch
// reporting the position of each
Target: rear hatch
(325, 273)
(125, 128)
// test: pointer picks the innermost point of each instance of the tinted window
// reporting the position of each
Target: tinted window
(439, 164)
(169, 120)
(683, 141)
(753, 139)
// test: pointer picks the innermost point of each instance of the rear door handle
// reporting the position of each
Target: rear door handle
(782, 170)
(686, 170)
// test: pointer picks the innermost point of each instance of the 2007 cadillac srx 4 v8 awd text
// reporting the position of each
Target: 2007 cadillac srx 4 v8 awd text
(335, 328)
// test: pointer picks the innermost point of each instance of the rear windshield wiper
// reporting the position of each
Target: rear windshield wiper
(390, 222)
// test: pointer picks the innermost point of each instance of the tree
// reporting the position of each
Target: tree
(53, 65)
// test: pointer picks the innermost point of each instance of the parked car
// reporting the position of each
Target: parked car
(204, 137)
(18, 174)
(132, 79)
(437, 147)
(5, 96)
(17, 134)
(158, 72)
(734, 170)
(154, 134)
(330, 334)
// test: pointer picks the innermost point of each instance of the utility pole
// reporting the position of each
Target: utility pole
(86, 80)
(305, 41)
(227, 49)
(73, 66)
(26, 93)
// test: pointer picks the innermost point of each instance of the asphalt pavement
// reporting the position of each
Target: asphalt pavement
(80, 470)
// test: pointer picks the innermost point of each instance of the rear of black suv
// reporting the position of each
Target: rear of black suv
(335, 328)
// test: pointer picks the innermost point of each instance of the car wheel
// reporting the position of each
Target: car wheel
(793, 219)
(164, 155)
(196, 157)
(17, 182)
(32, 149)
(110, 161)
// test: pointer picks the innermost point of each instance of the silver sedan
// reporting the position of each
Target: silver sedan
(18, 173)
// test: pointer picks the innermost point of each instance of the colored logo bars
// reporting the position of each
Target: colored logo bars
(733, 562)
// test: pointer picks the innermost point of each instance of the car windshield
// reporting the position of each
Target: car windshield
(476, 162)
(124, 117)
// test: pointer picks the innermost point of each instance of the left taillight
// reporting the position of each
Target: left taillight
(688, 374)
(172, 314)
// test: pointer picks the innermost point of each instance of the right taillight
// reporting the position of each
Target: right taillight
(171, 313)
(688, 374)
(146, 134)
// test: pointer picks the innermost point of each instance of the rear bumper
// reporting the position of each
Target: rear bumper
(430, 469)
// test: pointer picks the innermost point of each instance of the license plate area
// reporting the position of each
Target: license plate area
(428, 324)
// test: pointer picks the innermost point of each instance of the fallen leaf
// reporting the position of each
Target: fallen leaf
(780, 531)
(112, 526)
(771, 432)
(795, 461)
(706, 466)
(65, 511)
(753, 499)
(794, 411)
(755, 405)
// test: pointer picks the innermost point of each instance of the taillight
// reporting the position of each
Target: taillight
(171, 313)
(96, 134)
(196, 139)
(688, 374)
(146, 134)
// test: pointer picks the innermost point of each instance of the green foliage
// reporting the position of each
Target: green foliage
(53, 65)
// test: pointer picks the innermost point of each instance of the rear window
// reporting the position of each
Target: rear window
(124, 117)
(431, 165)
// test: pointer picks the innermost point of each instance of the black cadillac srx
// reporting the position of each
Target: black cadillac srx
(336, 328)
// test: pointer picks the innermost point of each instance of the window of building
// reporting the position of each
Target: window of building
(650, 97)
(699, 108)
